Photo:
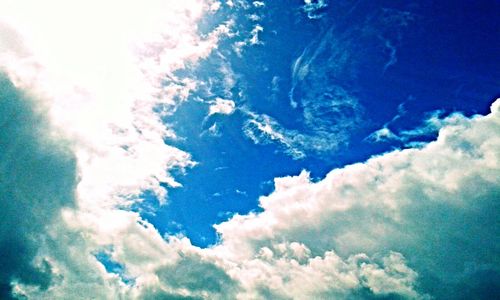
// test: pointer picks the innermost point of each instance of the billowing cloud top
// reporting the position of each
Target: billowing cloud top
(82, 139)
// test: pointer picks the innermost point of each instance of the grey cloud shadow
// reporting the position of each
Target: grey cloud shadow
(38, 176)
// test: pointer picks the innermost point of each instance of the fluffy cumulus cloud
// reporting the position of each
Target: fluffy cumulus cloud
(82, 139)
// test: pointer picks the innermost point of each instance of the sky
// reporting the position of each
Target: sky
(235, 149)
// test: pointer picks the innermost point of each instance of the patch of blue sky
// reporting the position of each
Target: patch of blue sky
(113, 267)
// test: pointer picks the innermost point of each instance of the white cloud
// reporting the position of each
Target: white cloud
(222, 106)
(313, 8)
(214, 130)
(288, 271)
(254, 40)
(251, 40)
(323, 136)
(431, 126)
(329, 111)
(258, 3)
(262, 129)
(382, 134)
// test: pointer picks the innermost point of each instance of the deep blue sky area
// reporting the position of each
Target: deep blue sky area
(371, 62)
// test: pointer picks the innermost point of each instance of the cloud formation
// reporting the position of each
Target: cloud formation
(436, 207)
(222, 106)
(103, 83)
(37, 179)
(414, 224)
(413, 137)
(314, 8)
(324, 81)
(329, 111)
(410, 223)
(105, 79)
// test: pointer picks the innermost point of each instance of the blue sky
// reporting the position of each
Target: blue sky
(398, 64)
(235, 149)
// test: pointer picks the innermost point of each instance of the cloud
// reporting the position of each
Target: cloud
(222, 106)
(37, 179)
(288, 271)
(252, 40)
(198, 277)
(314, 8)
(392, 54)
(322, 79)
(262, 129)
(410, 224)
(324, 89)
(327, 119)
(434, 206)
(102, 83)
(105, 79)
(258, 3)
(413, 137)
(382, 134)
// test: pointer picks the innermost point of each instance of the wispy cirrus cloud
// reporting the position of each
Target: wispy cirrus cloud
(314, 8)
(329, 112)
(324, 83)
(308, 239)
(413, 137)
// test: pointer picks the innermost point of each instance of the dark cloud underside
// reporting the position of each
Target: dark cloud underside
(37, 179)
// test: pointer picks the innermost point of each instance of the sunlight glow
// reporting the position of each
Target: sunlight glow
(100, 68)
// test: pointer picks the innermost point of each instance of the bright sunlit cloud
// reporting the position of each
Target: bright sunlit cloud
(102, 68)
